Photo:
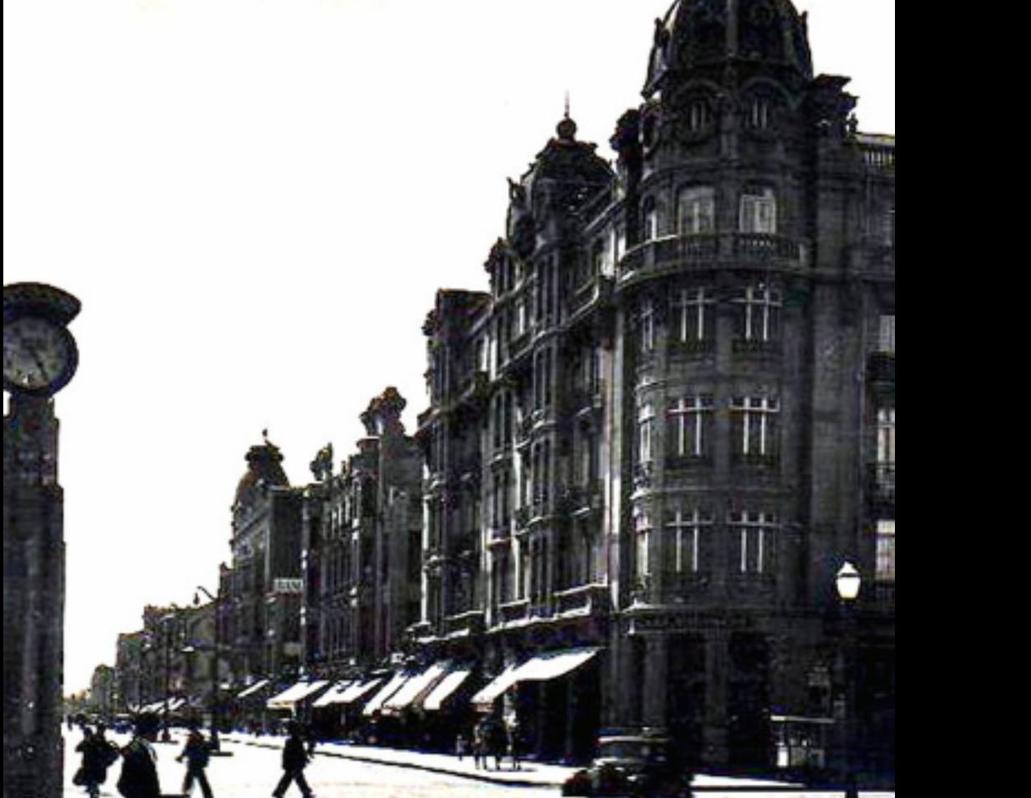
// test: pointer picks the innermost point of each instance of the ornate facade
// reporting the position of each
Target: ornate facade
(671, 419)
(361, 546)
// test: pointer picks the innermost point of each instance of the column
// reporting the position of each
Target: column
(656, 670)
(717, 666)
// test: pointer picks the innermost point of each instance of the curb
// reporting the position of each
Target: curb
(415, 766)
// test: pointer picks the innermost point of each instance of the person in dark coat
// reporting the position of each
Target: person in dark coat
(139, 778)
(295, 759)
(97, 756)
(196, 752)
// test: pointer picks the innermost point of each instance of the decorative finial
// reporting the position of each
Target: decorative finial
(567, 104)
(264, 435)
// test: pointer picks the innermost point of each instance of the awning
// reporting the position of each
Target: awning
(388, 690)
(332, 695)
(554, 664)
(358, 690)
(175, 704)
(444, 690)
(543, 667)
(290, 696)
(489, 694)
(253, 688)
(416, 687)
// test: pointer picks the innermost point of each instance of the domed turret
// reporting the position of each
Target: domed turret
(696, 35)
(264, 469)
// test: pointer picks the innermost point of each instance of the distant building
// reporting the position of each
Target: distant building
(129, 671)
(262, 590)
(103, 691)
(671, 418)
(362, 547)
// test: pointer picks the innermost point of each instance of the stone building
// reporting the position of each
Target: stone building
(103, 691)
(262, 589)
(653, 442)
(361, 556)
(129, 671)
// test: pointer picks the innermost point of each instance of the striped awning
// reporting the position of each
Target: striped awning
(445, 689)
(416, 687)
(391, 687)
(358, 691)
(298, 692)
(540, 668)
(253, 688)
(332, 695)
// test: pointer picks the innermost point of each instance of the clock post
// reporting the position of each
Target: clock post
(40, 357)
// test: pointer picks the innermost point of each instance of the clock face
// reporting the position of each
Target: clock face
(39, 355)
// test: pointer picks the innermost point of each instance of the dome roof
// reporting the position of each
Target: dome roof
(699, 33)
(263, 469)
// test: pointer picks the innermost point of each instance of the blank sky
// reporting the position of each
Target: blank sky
(256, 201)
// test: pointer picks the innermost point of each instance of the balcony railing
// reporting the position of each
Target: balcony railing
(465, 623)
(586, 600)
(705, 250)
(755, 347)
(514, 611)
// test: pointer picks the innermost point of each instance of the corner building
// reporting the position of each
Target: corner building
(654, 441)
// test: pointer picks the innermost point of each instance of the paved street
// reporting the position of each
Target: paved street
(253, 770)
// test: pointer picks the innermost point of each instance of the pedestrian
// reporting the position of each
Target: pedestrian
(197, 753)
(480, 744)
(139, 778)
(93, 771)
(512, 733)
(295, 759)
(496, 742)
(460, 746)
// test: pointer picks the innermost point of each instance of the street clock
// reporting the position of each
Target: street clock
(40, 355)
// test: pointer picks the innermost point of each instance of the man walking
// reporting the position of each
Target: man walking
(196, 752)
(295, 759)
(139, 777)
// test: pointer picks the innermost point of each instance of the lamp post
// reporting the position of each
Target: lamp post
(848, 582)
(166, 736)
(215, 692)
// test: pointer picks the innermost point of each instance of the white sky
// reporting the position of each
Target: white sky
(256, 201)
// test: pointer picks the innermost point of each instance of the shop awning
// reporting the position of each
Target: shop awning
(548, 666)
(386, 692)
(489, 694)
(298, 692)
(416, 687)
(358, 690)
(332, 695)
(540, 668)
(445, 689)
(175, 704)
(253, 688)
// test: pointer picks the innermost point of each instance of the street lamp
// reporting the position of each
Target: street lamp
(215, 697)
(848, 581)
(166, 736)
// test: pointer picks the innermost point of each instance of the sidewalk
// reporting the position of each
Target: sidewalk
(532, 774)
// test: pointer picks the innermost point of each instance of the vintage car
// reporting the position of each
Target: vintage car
(632, 764)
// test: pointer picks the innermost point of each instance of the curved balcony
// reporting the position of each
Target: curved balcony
(677, 253)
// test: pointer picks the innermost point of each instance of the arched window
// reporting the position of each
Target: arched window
(758, 116)
(699, 115)
(696, 210)
(758, 210)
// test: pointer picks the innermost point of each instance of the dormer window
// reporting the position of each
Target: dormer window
(758, 211)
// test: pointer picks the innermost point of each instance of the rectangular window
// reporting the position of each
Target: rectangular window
(647, 318)
(645, 432)
(686, 534)
(690, 424)
(753, 425)
(696, 210)
(756, 533)
(759, 318)
(885, 565)
(642, 530)
(694, 315)
(886, 342)
(758, 211)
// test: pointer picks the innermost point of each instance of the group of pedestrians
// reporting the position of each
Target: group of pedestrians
(139, 776)
(491, 738)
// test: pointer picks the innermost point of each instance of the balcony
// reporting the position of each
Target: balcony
(590, 295)
(591, 599)
(642, 476)
(582, 499)
(688, 462)
(709, 250)
(472, 387)
(465, 624)
(693, 348)
(584, 401)
(514, 611)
